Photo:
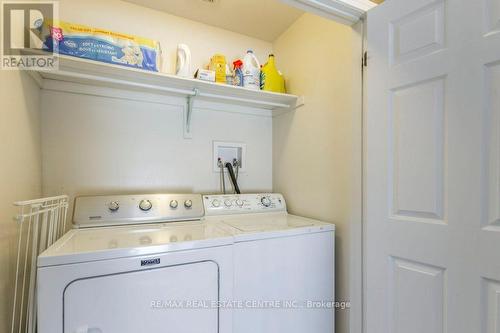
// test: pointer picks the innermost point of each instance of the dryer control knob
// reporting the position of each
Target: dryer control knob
(215, 203)
(228, 203)
(174, 204)
(266, 202)
(114, 206)
(145, 205)
(188, 203)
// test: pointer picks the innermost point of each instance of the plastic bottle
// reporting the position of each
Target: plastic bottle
(183, 61)
(251, 71)
(238, 73)
(229, 75)
(272, 80)
(218, 64)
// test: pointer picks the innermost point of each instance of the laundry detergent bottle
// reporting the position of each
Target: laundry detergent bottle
(218, 65)
(183, 61)
(251, 71)
(271, 78)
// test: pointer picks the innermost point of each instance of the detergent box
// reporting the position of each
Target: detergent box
(102, 45)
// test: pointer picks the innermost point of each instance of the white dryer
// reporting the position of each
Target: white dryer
(283, 265)
(124, 269)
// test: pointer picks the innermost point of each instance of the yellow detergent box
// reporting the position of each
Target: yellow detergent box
(102, 45)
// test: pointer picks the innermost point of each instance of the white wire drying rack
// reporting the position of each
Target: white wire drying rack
(41, 223)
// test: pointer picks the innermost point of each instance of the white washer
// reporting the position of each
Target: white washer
(283, 265)
(124, 269)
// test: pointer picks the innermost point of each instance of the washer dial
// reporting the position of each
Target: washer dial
(266, 202)
(145, 205)
(114, 206)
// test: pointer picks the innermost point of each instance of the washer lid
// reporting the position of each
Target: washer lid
(82, 245)
(260, 226)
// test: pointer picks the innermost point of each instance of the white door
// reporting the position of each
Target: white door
(168, 299)
(433, 167)
(296, 271)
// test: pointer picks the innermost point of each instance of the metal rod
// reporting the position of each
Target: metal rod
(39, 201)
(17, 276)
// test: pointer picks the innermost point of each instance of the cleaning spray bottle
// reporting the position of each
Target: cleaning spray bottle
(229, 75)
(271, 78)
(238, 73)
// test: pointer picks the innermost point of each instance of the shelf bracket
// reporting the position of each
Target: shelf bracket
(188, 114)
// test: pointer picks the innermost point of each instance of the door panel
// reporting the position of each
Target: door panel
(427, 282)
(492, 145)
(417, 115)
(418, 33)
(491, 306)
(492, 15)
(432, 171)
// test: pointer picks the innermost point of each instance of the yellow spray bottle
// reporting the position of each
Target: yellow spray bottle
(271, 78)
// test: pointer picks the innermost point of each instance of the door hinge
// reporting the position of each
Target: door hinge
(365, 59)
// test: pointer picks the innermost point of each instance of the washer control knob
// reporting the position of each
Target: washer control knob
(145, 205)
(239, 202)
(215, 203)
(266, 202)
(174, 204)
(228, 203)
(188, 203)
(114, 206)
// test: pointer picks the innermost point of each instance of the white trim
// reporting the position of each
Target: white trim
(155, 98)
(356, 219)
(345, 11)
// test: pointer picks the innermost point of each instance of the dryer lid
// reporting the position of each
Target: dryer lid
(82, 245)
(247, 227)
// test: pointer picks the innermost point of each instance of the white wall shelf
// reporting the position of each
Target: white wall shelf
(97, 74)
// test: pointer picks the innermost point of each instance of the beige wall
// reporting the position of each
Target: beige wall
(20, 170)
(140, 145)
(315, 147)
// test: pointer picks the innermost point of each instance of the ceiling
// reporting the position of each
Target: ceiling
(262, 19)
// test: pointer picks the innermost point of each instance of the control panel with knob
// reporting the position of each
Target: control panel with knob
(266, 201)
(114, 206)
(110, 210)
(243, 203)
(145, 205)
